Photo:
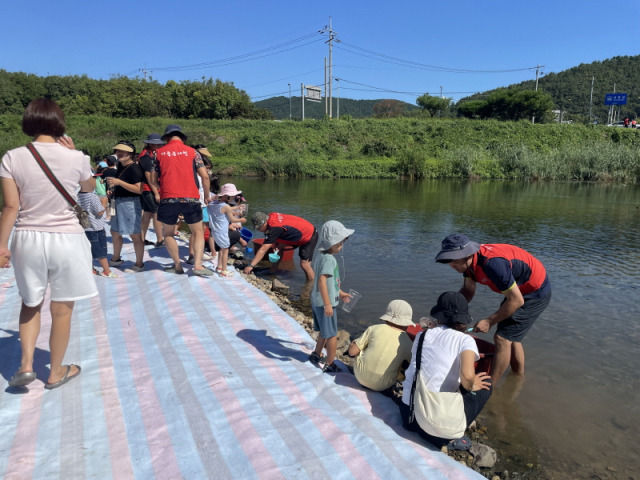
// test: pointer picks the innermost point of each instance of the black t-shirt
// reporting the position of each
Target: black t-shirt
(148, 164)
(133, 174)
(109, 172)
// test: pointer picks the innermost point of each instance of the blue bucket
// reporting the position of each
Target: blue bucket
(246, 234)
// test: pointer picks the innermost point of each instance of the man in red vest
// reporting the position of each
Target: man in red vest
(514, 273)
(281, 229)
(177, 169)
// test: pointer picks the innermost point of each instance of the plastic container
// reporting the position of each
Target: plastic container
(274, 257)
(246, 234)
(348, 306)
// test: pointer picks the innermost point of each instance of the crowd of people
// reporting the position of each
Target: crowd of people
(171, 182)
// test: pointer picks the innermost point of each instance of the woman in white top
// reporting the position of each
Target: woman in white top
(48, 246)
(447, 364)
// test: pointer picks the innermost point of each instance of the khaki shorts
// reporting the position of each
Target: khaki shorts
(60, 260)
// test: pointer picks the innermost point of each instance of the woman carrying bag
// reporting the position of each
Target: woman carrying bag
(442, 393)
(48, 247)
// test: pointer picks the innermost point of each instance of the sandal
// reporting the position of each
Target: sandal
(110, 275)
(225, 273)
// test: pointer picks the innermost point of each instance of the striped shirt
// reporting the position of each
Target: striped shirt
(91, 203)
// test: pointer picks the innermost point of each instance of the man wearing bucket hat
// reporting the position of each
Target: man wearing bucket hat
(150, 195)
(177, 166)
(281, 229)
(382, 349)
(512, 272)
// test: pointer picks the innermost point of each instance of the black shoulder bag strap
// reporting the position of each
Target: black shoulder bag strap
(47, 171)
(412, 416)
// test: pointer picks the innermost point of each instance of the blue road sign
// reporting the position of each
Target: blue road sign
(615, 99)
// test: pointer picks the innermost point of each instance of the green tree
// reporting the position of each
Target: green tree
(433, 105)
(511, 104)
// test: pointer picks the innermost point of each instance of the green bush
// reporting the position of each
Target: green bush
(418, 148)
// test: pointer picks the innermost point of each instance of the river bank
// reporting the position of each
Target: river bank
(416, 148)
(505, 467)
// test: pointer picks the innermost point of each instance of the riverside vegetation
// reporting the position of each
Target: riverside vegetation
(416, 148)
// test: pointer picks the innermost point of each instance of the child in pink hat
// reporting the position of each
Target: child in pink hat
(221, 214)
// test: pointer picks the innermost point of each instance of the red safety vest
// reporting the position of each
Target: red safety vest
(177, 177)
(533, 267)
(290, 221)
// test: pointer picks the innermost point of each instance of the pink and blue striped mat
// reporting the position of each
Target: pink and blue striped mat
(194, 378)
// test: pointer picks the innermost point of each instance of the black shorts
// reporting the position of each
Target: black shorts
(306, 250)
(148, 201)
(517, 325)
(169, 212)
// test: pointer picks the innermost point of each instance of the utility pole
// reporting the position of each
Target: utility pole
(289, 100)
(332, 37)
(302, 98)
(533, 118)
(591, 99)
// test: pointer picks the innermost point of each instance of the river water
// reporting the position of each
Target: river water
(576, 414)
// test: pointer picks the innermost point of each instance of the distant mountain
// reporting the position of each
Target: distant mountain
(571, 89)
(279, 107)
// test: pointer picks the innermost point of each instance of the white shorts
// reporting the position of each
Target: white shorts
(62, 260)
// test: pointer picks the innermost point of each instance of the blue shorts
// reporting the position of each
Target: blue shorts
(168, 212)
(327, 326)
(98, 242)
(128, 216)
(205, 215)
(517, 325)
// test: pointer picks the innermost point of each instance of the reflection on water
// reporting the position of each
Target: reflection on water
(576, 412)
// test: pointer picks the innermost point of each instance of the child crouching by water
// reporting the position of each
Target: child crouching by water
(326, 293)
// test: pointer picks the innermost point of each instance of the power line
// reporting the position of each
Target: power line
(246, 57)
(410, 63)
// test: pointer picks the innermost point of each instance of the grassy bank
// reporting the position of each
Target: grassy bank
(369, 148)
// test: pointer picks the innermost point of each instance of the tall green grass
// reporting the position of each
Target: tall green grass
(370, 148)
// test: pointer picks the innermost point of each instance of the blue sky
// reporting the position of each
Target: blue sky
(386, 49)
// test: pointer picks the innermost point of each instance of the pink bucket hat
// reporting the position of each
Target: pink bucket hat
(229, 189)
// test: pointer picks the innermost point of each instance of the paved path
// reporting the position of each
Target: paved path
(194, 378)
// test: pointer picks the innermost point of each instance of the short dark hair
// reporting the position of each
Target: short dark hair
(43, 116)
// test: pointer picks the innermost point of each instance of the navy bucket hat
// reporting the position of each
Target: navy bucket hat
(456, 246)
(173, 130)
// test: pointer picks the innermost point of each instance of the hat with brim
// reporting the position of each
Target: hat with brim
(172, 131)
(456, 246)
(229, 189)
(103, 164)
(451, 308)
(204, 151)
(124, 148)
(399, 313)
(153, 139)
(259, 219)
(332, 233)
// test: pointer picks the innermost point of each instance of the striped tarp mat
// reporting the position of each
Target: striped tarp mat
(194, 378)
